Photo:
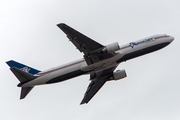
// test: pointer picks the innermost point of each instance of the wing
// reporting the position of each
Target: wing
(98, 80)
(92, 53)
(84, 44)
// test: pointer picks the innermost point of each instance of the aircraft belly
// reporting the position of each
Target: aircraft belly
(66, 76)
(82, 68)
(57, 75)
(38, 81)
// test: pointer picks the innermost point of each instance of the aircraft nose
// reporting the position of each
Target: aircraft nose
(171, 38)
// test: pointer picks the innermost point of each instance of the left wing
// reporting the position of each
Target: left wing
(83, 43)
(98, 80)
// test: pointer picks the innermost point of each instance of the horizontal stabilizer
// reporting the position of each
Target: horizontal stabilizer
(25, 91)
(21, 75)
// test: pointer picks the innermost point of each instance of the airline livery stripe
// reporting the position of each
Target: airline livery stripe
(161, 37)
(61, 67)
(124, 47)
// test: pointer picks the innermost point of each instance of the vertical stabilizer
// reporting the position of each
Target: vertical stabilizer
(22, 67)
(24, 74)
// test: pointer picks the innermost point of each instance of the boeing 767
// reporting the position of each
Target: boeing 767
(99, 61)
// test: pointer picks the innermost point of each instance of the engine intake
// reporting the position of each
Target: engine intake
(119, 74)
(111, 47)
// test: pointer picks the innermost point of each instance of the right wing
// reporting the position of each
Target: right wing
(92, 89)
(98, 80)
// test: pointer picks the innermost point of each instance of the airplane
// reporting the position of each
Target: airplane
(99, 61)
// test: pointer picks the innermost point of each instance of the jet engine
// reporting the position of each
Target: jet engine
(119, 74)
(111, 47)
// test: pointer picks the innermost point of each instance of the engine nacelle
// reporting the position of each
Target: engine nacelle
(119, 74)
(111, 47)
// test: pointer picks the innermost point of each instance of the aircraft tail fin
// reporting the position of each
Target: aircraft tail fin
(24, 74)
(22, 67)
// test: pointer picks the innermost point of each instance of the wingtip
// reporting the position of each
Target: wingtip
(82, 103)
(61, 24)
(21, 98)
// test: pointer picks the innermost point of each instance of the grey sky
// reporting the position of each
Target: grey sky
(28, 34)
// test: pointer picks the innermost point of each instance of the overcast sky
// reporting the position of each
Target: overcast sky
(28, 34)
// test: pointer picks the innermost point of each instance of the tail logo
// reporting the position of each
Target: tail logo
(25, 69)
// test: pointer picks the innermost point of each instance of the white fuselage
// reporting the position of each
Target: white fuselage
(80, 67)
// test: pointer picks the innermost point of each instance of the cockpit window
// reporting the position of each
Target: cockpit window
(166, 35)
